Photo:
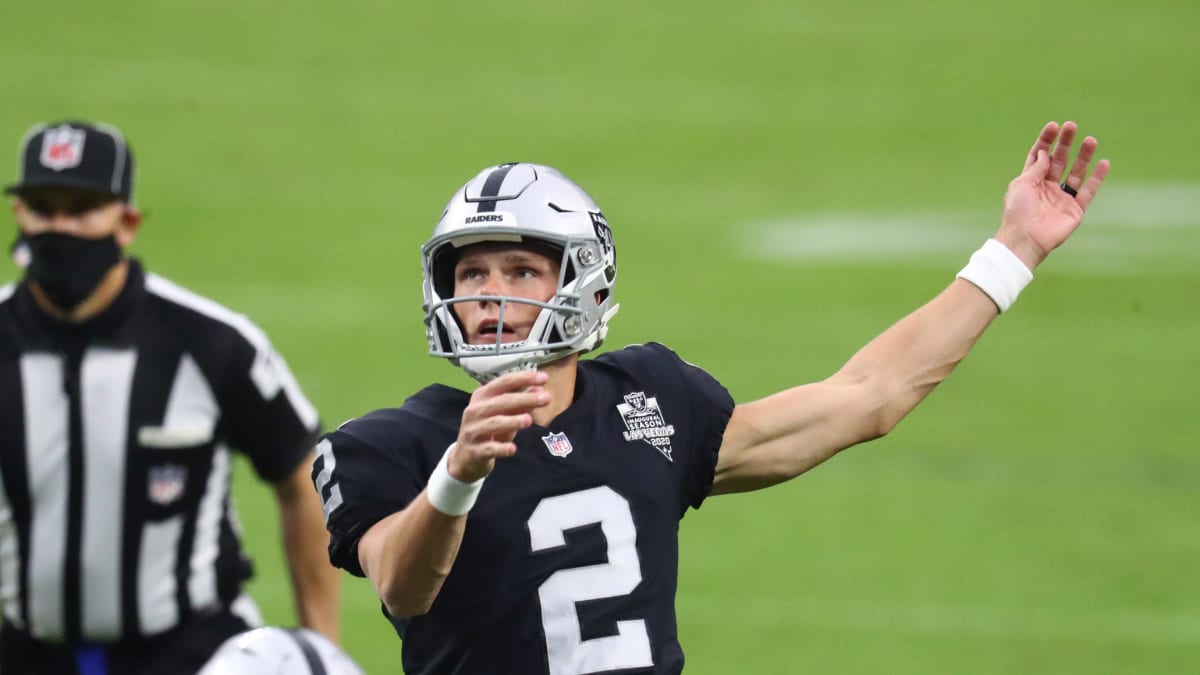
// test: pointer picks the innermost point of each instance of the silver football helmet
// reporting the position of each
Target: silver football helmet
(279, 651)
(534, 205)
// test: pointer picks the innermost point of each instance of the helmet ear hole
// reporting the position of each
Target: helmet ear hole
(442, 265)
(443, 334)
(568, 271)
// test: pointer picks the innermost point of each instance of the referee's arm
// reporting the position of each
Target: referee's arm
(275, 426)
(316, 585)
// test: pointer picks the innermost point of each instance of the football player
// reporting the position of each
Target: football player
(530, 526)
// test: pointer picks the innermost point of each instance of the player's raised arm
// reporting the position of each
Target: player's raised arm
(408, 554)
(783, 435)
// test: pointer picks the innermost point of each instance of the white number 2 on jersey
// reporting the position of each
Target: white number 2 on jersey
(566, 652)
(329, 503)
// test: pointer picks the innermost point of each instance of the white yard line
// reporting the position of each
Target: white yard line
(1128, 225)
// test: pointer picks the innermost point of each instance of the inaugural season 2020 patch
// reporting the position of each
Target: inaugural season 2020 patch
(644, 421)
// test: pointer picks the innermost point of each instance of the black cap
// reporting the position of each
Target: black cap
(75, 154)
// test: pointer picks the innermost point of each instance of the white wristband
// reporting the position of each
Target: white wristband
(998, 272)
(448, 494)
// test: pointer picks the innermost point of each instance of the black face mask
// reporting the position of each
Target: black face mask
(67, 268)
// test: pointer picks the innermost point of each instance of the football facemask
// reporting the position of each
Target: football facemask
(527, 205)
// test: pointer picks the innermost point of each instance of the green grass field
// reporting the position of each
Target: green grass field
(784, 180)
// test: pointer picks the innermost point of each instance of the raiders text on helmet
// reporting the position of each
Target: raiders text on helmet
(534, 205)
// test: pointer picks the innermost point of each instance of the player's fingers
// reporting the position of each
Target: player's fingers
(501, 449)
(1062, 152)
(503, 427)
(507, 404)
(1087, 149)
(1036, 171)
(1043, 142)
(1092, 186)
(511, 382)
(497, 448)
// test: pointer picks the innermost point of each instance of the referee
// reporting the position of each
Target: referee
(121, 398)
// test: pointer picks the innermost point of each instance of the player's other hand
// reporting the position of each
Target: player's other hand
(1038, 214)
(497, 411)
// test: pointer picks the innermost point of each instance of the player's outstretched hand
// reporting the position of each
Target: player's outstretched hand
(497, 411)
(1039, 213)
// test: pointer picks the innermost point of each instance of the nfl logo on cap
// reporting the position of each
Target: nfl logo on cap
(62, 147)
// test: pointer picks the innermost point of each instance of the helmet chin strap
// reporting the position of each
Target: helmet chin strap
(484, 369)
(486, 374)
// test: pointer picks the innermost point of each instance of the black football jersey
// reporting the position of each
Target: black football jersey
(570, 556)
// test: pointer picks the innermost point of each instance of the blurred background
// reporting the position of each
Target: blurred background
(784, 180)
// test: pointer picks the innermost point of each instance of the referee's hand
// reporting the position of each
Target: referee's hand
(497, 411)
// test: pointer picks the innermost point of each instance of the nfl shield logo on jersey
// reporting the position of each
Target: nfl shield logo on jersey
(62, 148)
(558, 444)
(167, 483)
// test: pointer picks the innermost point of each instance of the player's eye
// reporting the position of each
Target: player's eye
(469, 274)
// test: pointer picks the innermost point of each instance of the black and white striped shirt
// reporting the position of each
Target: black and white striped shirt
(115, 439)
